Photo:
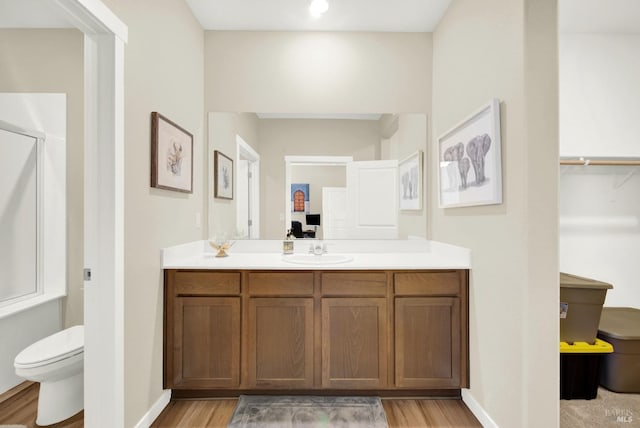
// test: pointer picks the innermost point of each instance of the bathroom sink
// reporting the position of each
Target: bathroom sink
(312, 259)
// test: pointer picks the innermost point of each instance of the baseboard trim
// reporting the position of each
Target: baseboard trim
(383, 393)
(155, 410)
(477, 410)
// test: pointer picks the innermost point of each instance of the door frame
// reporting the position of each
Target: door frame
(290, 161)
(246, 151)
(105, 36)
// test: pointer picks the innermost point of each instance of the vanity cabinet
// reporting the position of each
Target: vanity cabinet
(427, 336)
(354, 343)
(202, 329)
(316, 330)
(428, 330)
(280, 329)
(280, 345)
(354, 330)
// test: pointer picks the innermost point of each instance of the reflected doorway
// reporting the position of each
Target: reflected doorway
(248, 191)
(293, 163)
(367, 201)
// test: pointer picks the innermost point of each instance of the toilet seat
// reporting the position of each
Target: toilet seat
(59, 346)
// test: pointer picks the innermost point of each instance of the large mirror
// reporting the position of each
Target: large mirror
(318, 176)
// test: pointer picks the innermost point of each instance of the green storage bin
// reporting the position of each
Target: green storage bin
(581, 301)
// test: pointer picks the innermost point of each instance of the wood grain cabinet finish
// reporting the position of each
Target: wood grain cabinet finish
(354, 343)
(314, 330)
(280, 283)
(202, 320)
(202, 283)
(354, 284)
(280, 342)
(206, 351)
(427, 342)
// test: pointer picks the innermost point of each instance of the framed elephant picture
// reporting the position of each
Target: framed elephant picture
(410, 182)
(469, 160)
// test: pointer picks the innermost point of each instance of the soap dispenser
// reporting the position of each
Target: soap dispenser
(287, 244)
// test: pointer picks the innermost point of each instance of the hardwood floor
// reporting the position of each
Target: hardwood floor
(196, 413)
(429, 413)
(400, 413)
(19, 406)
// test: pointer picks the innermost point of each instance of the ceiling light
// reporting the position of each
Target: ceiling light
(318, 7)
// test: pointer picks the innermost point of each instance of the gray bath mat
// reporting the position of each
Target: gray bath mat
(255, 411)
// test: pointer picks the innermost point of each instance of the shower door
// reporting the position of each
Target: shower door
(19, 215)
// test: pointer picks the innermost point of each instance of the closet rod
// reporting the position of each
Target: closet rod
(607, 162)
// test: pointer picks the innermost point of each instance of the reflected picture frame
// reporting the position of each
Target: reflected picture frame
(300, 198)
(223, 176)
(171, 155)
(410, 182)
(469, 160)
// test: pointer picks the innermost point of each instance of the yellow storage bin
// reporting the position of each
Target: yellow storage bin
(599, 347)
(580, 368)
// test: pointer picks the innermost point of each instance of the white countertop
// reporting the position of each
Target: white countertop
(361, 254)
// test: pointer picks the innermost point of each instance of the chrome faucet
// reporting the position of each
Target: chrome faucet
(318, 248)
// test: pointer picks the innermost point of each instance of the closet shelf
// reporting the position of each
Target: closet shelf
(601, 161)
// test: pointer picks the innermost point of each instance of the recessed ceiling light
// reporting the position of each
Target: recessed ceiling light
(318, 7)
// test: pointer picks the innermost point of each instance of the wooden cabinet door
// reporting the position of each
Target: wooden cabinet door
(354, 343)
(206, 336)
(427, 342)
(280, 345)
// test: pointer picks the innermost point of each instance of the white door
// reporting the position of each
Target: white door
(254, 199)
(372, 200)
(334, 213)
(242, 199)
(247, 190)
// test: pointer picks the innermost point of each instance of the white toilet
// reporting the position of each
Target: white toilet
(57, 362)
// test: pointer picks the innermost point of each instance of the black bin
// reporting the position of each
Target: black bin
(580, 369)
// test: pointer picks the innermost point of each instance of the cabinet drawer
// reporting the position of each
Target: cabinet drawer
(281, 284)
(427, 283)
(207, 283)
(354, 284)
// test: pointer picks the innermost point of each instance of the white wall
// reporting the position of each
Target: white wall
(600, 206)
(506, 49)
(600, 228)
(599, 93)
(164, 72)
(318, 72)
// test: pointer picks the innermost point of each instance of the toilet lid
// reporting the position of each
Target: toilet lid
(56, 347)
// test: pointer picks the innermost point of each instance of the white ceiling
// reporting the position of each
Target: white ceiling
(343, 15)
(618, 16)
(348, 116)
